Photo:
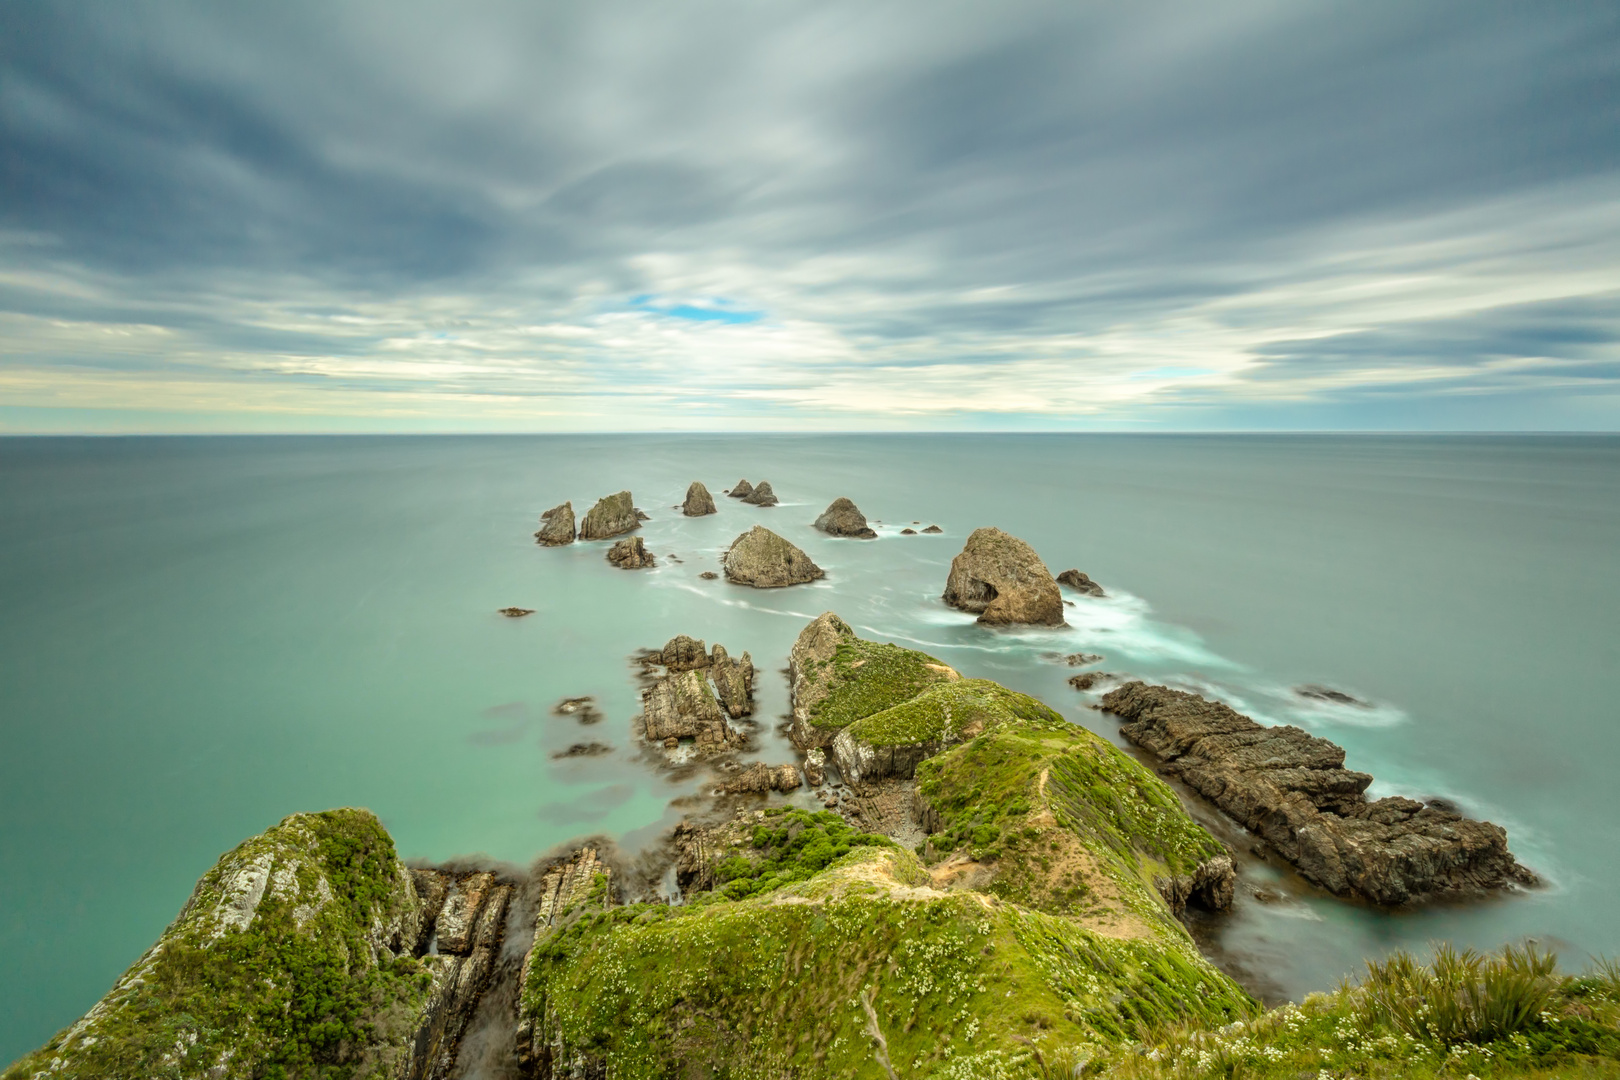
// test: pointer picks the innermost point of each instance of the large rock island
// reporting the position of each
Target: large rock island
(764, 560)
(612, 515)
(1000, 579)
(844, 518)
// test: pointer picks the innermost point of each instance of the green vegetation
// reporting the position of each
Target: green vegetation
(302, 990)
(792, 846)
(870, 676)
(1461, 1015)
(947, 710)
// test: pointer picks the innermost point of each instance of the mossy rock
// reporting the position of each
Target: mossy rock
(281, 964)
(869, 677)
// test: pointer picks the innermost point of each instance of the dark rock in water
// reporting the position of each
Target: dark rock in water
(1323, 693)
(612, 515)
(708, 575)
(1001, 579)
(584, 749)
(761, 495)
(1292, 790)
(642, 515)
(844, 518)
(933, 529)
(733, 681)
(764, 560)
(759, 778)
(742, 490)
(556, 526)
(582, 709)
(1081, 659)
(1080, 583)
(682, 653)
(515, 612)
(1090, 679)
(698, 501)
(631, 554)
(905, 532)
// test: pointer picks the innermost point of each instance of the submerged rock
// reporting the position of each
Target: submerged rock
(764, 560)
(762, 495)
(708, 575)
(582, 709)
(631, 554)
(1000, 578)
(1082, 659)
(1080, 583)
(1323, 693)
(1292, 789)
(515, 612)
(933, 529)
(584, 749)
(844, 518)
(742, 490)
(556, 526)
(698, 501)
(611, 516)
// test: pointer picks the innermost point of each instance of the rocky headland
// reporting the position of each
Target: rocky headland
(698, 501)
(999, 578)
(1292, 789)
(612, 516)
(844, 518)
(765, 560)
(556, 526)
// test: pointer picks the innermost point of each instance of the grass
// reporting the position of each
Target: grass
(792, 845)
(870, 676)
(941, 712)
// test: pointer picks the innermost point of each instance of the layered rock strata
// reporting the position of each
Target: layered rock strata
(1000, 578)
(631, 554)
(1292, 789)
(762, 495)
(698, 501)
(844, 518)
(759, 778)
(1080, 583)
(612, 516)
(764, 560)
(556, 526)
(467, 937)
(576, 888)
(697, 696)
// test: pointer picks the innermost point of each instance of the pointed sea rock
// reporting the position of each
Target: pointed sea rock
(612, 515)
(698, 501)
(762, 495)
(844, 518)
(742, 490)
(766, 561)
(1080, 583)
(556, 526)
(631, 554)
(1000, 578)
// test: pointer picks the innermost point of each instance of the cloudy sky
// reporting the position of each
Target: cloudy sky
(613, 216)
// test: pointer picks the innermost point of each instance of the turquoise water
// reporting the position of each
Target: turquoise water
(199, 636)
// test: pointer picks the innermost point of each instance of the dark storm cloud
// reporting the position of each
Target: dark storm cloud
(929, 206)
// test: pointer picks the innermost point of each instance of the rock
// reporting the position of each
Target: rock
(733, 681)
(742, 490)
(759, 778)
(581, 708)
(516, 612)
(761, 495)
(698, 501)
(682, 653)
(815, 766)
(1211, 886)
(843, 518)
(1082, 659)
(1292, 790)
(642, 515)
(631, 554)
(556, 526)
(682, 706)
(612, 515)
(461, 910)
(584, 749)
(766, 561)
(905, 532)
(1323, 693)
(1089, 679)
(708, 575)
(1001, 579)
(933, 529)
(1080, 583)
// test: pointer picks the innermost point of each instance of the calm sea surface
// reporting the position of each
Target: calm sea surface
(199, 636)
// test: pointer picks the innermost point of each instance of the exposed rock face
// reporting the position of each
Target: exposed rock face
(631, 554)
(611, 516)
(1211, 886)
(1090, 679)
(573, 889)
(682, 653)
(742, 490)
(733, 681)
(815, 766)
(642, 515)
(556, 526)
(1001, 579)
(844, 518)
(582, 709)
(766, 561)
(759, 778)
(762, 495)
(1292, 789)
(1080, 583)
(698, 501)
(811, 673)
(682, 706)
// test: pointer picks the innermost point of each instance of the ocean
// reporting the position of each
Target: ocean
(199, 636)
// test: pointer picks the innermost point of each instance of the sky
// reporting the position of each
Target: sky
(392, 216)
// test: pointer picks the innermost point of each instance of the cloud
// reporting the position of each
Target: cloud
(505, 216)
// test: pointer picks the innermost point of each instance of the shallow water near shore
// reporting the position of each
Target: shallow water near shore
(199, 636)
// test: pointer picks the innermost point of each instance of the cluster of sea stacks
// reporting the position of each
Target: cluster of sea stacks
(953, 828)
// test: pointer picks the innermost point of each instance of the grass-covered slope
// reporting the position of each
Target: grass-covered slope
(862, 963)
(839, 678)
(951, 710)
(281, 964)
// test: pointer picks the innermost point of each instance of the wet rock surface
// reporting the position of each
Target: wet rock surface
(762, 495)
(765, 560)
(582, 709)
(1324, 693)
(612, 516)
(631, 554)
(556, 526)
(844, 518)
(1291, 789)
(1000, 578)
(709, 575)
(1091, 679)
(1080, 583)
(698, 501)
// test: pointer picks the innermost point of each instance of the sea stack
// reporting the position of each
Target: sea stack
(761, 495)
(556, 526)
(1000, 578)
(631, 554)
(612, 515)
(698, 501)
(844, 518)
(766, 561)
(742, 490)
